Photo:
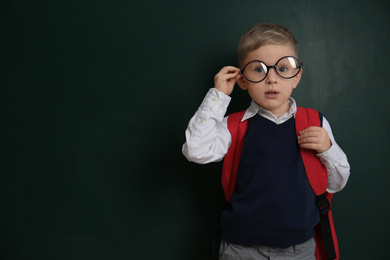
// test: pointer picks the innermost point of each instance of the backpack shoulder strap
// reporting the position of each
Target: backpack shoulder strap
(316, 172)
(325, 234)
(231, 162)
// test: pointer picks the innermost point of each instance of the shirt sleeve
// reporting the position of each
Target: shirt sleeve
(335, 162)
(207, 135)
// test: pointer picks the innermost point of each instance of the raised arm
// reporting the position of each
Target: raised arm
(207, 136)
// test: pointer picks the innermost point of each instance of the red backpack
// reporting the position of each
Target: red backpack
(324, 232)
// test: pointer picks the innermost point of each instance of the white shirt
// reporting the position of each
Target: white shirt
(208, 138)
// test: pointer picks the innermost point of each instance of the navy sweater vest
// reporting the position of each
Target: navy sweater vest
(273, 203)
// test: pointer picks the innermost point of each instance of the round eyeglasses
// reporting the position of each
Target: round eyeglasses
(286, 67)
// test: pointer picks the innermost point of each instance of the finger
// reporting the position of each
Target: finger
(311, 129)
(227, 69)
(316, 131)
(310, 146)
(319, 143)
(234, 76)
(309, 140)
(308, 135)
(321, 138)
(231, 77)
(226, 73)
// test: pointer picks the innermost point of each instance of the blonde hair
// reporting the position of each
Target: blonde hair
(264, 34)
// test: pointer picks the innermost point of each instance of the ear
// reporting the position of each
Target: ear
(242, 83)
(297, 78)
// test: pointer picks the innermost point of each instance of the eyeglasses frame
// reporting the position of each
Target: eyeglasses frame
(273, 66)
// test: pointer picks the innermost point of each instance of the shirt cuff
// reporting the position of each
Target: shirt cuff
(215, 100)
(331, 156)
(211, 111)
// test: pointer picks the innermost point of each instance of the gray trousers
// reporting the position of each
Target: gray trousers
(304, 251)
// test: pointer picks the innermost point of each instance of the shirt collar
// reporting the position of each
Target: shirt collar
(255, 108)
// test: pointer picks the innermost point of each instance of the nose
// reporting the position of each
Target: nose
(272, 77)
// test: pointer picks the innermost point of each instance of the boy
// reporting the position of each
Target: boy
(273, 208)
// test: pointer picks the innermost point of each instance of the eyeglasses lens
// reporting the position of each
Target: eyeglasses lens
(288, 67)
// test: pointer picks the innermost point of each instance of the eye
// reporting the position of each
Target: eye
(283, 69)
(259, 70)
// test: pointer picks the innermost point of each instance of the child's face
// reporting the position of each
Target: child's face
(273, 92)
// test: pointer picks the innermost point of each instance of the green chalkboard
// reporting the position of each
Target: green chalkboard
(96, 95)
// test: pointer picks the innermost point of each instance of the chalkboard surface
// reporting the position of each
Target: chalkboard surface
(96, 95)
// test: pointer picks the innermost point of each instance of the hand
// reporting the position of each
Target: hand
(226, 78)
(314, 138)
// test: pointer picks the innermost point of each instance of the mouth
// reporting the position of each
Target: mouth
(271, 94)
